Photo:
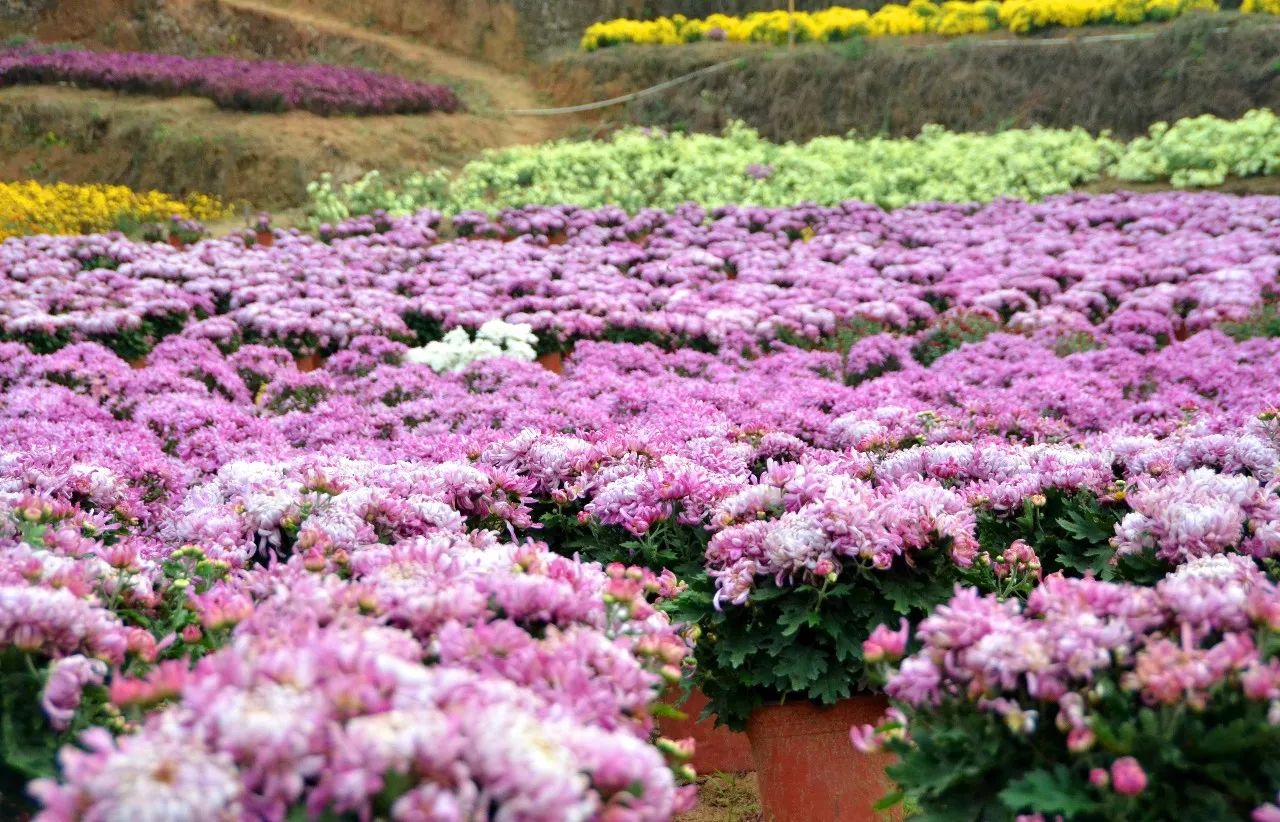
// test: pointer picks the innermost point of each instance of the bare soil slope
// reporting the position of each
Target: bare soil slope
(187, 144)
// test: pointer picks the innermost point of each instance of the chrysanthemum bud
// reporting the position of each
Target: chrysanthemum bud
(679, 750)
(1080, 740)
(1127, 776)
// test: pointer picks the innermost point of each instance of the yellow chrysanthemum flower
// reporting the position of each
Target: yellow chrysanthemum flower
(30, 207)
(1260, 7)
(948, 18)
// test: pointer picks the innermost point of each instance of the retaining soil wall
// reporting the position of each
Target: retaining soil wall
(1195, 66)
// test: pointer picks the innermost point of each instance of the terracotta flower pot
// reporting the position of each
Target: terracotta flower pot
(311, 362)
(265, 238)
(176, 242)
(553, 361)
(716, 749)
(141, 362)
(806, 767)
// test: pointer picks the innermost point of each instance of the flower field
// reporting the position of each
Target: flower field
(433, 579)
(248, 85)
(927, 476)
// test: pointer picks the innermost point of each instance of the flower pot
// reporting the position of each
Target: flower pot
(716, 749)
(806, 767)
(553, 361)
(176, 242)
(265, 238)
(311, 362)
(141, 362)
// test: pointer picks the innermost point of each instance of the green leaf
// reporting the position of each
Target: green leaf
(300, 814)
(734, 650)
(1084, 528)
(1048, 792)
(832, 686)
(796, 615)
(847, 644)
(889, 801)
(664, 711)
(28, 745)
(915, 592)
(801, 666)
(33, 534)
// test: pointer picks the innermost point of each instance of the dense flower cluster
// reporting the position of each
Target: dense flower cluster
(1022, 16)
(997, 422)
(640, 168)
(1140, 270)
(795, 475)
(63, 208)
(359, 646)
(1070, 631)
(252, 85)
(1120, 683)
(951, 18)
(845, 521)
(535, 702)
(828, 25)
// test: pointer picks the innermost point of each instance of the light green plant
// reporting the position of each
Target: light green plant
(639, 168)
(1204, 151)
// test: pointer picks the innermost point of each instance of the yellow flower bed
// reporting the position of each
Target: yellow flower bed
(950, 18)
(62, 208)
(1260, 7)
(1027, 15)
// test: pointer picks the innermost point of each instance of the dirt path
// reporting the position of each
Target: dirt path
(502, 91)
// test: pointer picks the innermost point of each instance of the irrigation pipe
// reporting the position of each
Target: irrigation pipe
(1067, 41)
(626, 98)
(1093, 38)
(675, 81)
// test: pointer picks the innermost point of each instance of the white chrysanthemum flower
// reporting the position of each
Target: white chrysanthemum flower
(456, 350)
(165, 780)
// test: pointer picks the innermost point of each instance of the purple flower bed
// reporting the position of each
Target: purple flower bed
(251, 85)
(1136, 270)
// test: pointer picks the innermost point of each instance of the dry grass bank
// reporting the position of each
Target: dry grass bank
(1218, 64)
